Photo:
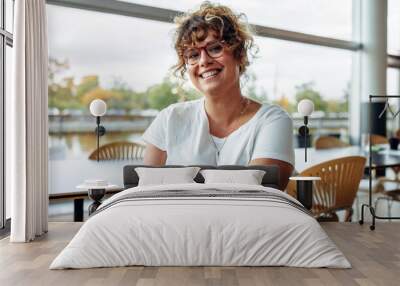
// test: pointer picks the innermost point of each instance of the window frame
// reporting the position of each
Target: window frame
(6, 39)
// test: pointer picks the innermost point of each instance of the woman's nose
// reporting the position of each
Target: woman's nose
(204, 58)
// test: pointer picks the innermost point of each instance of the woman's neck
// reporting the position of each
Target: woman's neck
(225, 111)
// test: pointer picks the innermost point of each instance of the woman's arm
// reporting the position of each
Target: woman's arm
(154, 156)
(285, 169)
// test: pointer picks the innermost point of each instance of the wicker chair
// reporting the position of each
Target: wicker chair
(328, 142)
(338, 186)
(378, 139)
(119, 151)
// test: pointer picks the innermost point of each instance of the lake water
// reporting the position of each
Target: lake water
(79, 146)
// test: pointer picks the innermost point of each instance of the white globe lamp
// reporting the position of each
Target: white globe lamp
(98, 108)
(305, 107)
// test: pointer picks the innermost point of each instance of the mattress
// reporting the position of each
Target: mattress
(201, 225)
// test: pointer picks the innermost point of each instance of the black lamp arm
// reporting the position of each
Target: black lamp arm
(100, 131)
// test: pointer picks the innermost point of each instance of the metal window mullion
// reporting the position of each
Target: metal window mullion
(3, 15)
(2, 130)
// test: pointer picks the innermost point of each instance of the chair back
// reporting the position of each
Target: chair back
(339, 183)
(119, 151)
(378, 139)
(328, 142)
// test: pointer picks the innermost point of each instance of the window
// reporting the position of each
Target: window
(393, 88)
(9, 10)
(393, 38)
(6, 27)
(286, 71)
(125, 60)
(117, 58)
(323, 18)
(393, 81)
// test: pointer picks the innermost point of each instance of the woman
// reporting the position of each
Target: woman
(224, 127)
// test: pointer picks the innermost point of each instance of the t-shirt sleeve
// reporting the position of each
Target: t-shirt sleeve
(274, 140)
(156, 133)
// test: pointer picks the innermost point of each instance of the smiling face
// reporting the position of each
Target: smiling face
(213, 76)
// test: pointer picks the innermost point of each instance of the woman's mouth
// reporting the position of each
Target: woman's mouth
(210, 73)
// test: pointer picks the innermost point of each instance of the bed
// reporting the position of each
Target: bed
(201, 224)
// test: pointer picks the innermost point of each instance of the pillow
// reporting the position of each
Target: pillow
(249, 177)
(165, 176)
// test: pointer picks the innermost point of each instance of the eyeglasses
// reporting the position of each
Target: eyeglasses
(213, 50)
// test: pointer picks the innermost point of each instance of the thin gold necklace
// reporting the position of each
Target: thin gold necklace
(244, 107)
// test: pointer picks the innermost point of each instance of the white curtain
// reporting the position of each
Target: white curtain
(27, 123)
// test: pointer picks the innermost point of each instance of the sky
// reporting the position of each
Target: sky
(140, 52)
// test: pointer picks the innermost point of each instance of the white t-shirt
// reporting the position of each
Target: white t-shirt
(182, 131)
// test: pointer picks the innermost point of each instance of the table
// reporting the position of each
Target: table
(65, 175)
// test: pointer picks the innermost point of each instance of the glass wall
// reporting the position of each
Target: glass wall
(323, 17)
(123, 61)
(288, 72)
(393, 27)
(126, 62)
(6, 28)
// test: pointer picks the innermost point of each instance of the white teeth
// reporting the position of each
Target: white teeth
(209, 73)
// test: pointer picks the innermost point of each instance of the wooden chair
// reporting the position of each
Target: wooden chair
(328, 142)
(119, 151)
(338, 186)
(397, 133)
(378, 139)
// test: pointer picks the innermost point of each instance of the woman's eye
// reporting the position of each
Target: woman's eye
(215, 49)
(192, 55)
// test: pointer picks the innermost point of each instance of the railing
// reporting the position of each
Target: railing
(59, 124)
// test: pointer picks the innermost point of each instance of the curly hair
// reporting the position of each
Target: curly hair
(193, 27)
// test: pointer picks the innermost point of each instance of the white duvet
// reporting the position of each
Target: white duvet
(200, 231)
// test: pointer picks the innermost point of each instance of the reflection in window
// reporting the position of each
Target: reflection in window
(323, 17)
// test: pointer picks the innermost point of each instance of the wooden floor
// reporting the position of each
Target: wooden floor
(374, 255)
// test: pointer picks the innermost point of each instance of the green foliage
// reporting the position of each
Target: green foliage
(306, 90)
(127, 98)
(161, 95)
(60, 94)
(87, 84)
(65, 94)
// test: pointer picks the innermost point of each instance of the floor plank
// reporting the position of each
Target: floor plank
(375, 257)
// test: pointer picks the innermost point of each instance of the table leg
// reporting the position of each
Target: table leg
(305, 193)
(78, 209)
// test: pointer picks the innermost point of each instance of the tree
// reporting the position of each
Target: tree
(250, 88)
(60, 94)
(161, 95)
(306, 90)
(87, 84)
(284, 102)
(99, 93)
(56, 67)
(127, 99)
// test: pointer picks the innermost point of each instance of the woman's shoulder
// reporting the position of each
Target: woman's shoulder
(183, 109)
(186, 107)
(272, 112)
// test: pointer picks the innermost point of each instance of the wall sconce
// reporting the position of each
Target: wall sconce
(304, 185)
(305, 108)
(98, 108)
